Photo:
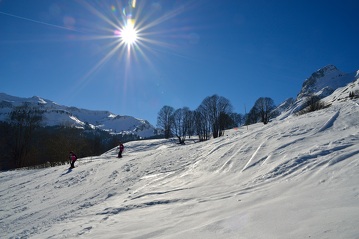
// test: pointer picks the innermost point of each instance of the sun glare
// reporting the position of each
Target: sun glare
(129, 34)
(133, 34)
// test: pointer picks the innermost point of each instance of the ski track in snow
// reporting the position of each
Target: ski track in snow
(252, 157)
(329, 123)
(232, 156)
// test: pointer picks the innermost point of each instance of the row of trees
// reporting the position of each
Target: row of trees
(24, 142)
(213, 116)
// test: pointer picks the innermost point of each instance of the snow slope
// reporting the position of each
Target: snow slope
(293, 178)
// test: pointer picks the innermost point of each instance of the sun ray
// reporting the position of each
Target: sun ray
(101, 15)
(133, 35)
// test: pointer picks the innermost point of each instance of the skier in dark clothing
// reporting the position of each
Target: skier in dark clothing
(121, 148)
(73, 159)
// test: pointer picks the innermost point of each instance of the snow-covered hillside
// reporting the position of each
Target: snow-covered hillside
(293, 178)
(55, 114)
(322, 83)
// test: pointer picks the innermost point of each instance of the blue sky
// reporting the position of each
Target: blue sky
(186, 50)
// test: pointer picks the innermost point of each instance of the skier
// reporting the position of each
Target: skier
(73, 159)
(121, 148)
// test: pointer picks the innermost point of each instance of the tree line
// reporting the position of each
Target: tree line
(212, 117)
(25, 142)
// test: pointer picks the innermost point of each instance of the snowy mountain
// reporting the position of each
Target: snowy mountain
(324, 81)
(55, 114)
(321, 83)
(292, 178)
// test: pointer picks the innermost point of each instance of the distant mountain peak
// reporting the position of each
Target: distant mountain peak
(327, 79)
(328, 68)
(39, 100)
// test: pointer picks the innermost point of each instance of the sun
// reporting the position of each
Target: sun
(129, 34)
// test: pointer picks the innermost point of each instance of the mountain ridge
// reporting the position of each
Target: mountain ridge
(56, 114)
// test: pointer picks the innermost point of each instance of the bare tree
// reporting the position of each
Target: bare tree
(225, 122)
(252, 117)
(189, 122)
(264, 107)
(179, 124)
(202, 124)
(238, 119)
(214, 106)
(164, 120)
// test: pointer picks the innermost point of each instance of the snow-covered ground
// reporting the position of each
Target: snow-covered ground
(293, 178)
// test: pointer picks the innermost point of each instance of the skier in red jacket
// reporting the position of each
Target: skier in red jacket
(121, 148)
(73, 159)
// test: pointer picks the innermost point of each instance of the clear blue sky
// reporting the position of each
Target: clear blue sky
(69, 52)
